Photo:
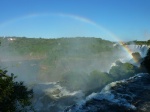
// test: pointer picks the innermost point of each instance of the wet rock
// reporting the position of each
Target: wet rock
(130, 95)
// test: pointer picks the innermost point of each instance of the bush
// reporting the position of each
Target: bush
(123, 70)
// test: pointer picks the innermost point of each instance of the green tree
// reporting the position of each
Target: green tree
(146, 62)
(14, 95)
(123, 70)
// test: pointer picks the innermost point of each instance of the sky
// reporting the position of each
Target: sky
(107, 19)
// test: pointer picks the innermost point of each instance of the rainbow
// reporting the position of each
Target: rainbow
(76, 17)
(128, 50)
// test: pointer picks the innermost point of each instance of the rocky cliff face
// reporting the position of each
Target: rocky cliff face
(130, 95)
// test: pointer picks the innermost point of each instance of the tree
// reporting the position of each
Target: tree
(146, 62)
(14, 95)
(123, 70)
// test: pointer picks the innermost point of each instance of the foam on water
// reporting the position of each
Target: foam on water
(52, 92)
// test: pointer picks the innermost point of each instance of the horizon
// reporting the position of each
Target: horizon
(119, 42)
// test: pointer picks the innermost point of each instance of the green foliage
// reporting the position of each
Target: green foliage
(82, 81)
(14, 96)
(57, 46)
(100, 78)
(123, 70)
(139, 42)
(62, 54)
(146, 62)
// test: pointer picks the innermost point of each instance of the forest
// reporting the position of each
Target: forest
(50, 56)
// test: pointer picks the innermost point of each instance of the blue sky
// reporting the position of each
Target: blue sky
(108, 19)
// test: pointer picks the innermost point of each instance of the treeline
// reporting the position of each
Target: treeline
(139, 42)
(41, 45)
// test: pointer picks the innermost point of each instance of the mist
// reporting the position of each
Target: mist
(78, 55)
(62, 69)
